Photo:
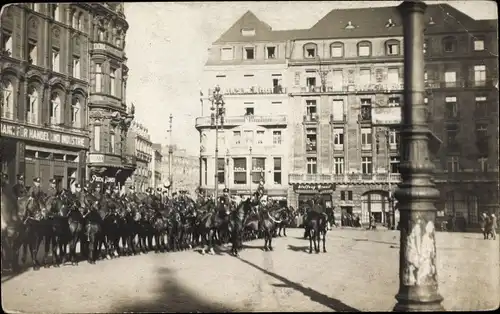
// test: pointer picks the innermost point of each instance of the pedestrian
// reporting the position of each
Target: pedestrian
(494, 226)
(484, 225)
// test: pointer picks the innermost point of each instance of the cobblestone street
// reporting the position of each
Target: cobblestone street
(359, 272)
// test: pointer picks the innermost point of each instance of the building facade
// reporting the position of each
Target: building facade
(156, 166)
(109, 119)
(49, 99)
(140, 145)
(344, 81)
(248, 62)
(183, 172)
(45, 88)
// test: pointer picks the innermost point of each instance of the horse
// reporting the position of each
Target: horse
(316, 225)
(33, 213)
(212, 222)
(12, 229)
(285, 215)
(73, 218)
(110, 227)
(129, 227)
(267, 224)
(236, 225)
(92, 229)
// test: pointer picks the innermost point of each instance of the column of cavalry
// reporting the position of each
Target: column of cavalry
(109, 223)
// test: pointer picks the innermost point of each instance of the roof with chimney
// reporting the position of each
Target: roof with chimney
(358, 23)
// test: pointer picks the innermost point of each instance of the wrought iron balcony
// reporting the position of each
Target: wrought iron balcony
(252, 90)
(238, 120)
(307, 177)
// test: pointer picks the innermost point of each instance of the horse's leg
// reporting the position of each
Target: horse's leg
(284, 230)
(34, 244)
(271, 240)
(324, 240)
(311, 234)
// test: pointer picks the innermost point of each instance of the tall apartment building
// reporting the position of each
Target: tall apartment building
(46, 82)
(345, 81)
(156, 166)
(139, 144)
(248, 62)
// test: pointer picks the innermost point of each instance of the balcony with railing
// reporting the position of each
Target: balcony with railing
(465, 176)
(252, 90)
(105, 47)
(349, 88)
(393, 178)
(239, 120)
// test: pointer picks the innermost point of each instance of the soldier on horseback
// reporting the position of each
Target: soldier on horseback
(130, 196)
(97, 193)
(80, 198)
(52, 193)
(19, 188)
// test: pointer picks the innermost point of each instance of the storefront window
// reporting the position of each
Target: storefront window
(240, 170)
(258, 169)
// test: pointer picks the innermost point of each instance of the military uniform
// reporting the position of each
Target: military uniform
(80, 196)
(19, 189)
(97, 194)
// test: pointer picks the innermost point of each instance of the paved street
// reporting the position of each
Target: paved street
(358, 273)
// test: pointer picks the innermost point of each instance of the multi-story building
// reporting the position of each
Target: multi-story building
(156, 166)
(345, 83)
(44, 86)
(140, 145)
(184, 171)
(109, 119)
(248, 62)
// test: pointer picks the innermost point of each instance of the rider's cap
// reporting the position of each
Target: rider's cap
(97, 186)
(87, 185)
(37, 179)
(158, 189)
(78, 185)
(131, 188)
(4, 175)
(256, 193)
(20, 177)
(226, 190)
(116, 188)
(53, 181)
(174, 194)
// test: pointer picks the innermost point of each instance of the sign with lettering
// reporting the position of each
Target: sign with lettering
(313, 187)
(386, 115)
(96, 158)
(98, 179)
(42, 135)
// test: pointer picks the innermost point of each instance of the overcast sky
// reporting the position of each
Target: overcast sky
(167, 47)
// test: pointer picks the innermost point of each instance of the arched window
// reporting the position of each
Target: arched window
(76, 114)
(75, 20)
(310, 50)
(32, 101)
(81, 22)
(364, 49)
(55, 108)
(100, 33)
(337, 50)
(7, 99)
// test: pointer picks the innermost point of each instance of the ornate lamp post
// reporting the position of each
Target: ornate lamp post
(227, 163)
(217, 117)
(170, 155)
(418, 285)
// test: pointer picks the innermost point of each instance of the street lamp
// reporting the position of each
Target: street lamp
(170, 155)
(227, 163)
(216, 117)
(251, 167)
(418, 284)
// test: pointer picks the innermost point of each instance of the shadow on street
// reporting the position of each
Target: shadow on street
(315, 296)
(304, 249)
(170, 296)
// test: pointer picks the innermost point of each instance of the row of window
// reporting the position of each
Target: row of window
(338, 139)
(34, 101)
(452, 108)
(248, 137)
(241, 171)
(450, 77)
(337, 49)
(112, 147)
(339, 165)
(453, 164)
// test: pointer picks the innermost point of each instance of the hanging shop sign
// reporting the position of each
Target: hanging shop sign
(314, 187)
(98, 179)
(42, 135)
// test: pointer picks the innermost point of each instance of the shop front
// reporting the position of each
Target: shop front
(43, 152)
(305, 192)
(108, 166)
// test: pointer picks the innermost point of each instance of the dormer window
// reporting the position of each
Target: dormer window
(249, 53)
(271, 52)
(349, 25)
(478, 44)
(310, 50)
(226, 54)
(449, 44)
(337, 50)
(390, 24)
(248, 32)
(364, 49)
(392, 48)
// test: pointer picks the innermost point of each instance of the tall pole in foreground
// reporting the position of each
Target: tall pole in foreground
(218, 112)
(418, 284)
(170, 155)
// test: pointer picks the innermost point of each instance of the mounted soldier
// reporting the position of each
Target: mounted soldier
(4, 180)
(224, 201)
(81, 200)
(130, 196)
(52, 193)
(86, 188)
(157, 198)
(97, 192)
(19, 188)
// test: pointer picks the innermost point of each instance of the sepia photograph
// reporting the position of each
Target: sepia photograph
(249, 156)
